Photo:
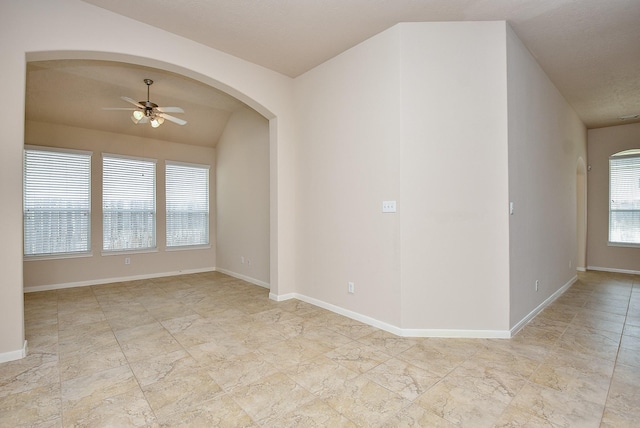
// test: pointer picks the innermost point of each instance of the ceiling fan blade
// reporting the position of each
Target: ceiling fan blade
(172, 119)
(169, 109)
(119, 108)
(132, 101)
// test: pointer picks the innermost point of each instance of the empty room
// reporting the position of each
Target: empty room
(320, 213)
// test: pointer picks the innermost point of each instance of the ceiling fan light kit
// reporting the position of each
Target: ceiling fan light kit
(148, 112)
(157, 121)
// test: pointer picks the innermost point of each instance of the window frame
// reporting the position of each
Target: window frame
(625, 154)
(88, 156)
(154, 212)
(207, 244)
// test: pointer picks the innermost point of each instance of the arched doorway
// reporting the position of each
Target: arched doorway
(93, 71)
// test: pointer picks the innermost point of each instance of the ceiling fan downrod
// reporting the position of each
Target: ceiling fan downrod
(149, 106)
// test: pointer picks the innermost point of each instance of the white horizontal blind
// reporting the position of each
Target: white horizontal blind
(187, 191)
(128, 203)
(57, 202)
(624, 198)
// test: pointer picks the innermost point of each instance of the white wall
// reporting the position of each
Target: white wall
(57, 29)
(99, 268)
(546, 142)
(603, 143)
(454, 177)
(242, 213)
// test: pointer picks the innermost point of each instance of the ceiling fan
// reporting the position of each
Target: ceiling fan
(148, 112)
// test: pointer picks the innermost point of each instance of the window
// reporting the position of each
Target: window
(624, 198)
(187, 204)
(56, 201)
(128, 203)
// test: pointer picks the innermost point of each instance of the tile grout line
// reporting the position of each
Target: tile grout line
(615, 363)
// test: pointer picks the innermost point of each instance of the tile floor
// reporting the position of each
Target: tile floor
(209, 350)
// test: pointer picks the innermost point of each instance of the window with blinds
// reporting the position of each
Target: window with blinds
(128, 203)
(187, 193)
(624, 198)
(56, 201)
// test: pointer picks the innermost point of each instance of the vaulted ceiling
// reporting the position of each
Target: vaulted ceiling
(589, 48)
(75, 93)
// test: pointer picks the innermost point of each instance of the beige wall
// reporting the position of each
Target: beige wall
(348, 112)
(416, 114)
(12, 85)
(603, 143)
(453, 121)
(454, 227)
(67, 29)
(99, 268)
(242, 216)
(546, 144)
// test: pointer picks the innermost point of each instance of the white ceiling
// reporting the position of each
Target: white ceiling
(589, 48)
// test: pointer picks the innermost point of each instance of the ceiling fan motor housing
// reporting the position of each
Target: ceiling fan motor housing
(148, 107)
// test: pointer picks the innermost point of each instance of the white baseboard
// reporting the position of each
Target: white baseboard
(581, 269)
(605, 269)
(409, 332)
(398, 331)
(118, 279)
(244, 278)
(14, 355)
(456, 333)
(541, 306)
(283, 297)
(101, 281)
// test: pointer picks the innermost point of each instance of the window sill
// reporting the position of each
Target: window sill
(56, 257)
(623, 244)
(125, 252)
(188, 247)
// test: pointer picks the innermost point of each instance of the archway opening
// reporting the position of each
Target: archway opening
(270, 134)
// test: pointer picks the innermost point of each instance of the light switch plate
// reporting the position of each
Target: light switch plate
(388, 206)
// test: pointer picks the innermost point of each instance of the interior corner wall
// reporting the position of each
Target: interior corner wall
(546, 142)
(242, 205)
(602, 143)
(416, 114)
(454, 177)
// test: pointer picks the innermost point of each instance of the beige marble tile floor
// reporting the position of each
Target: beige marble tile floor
(207, 350)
